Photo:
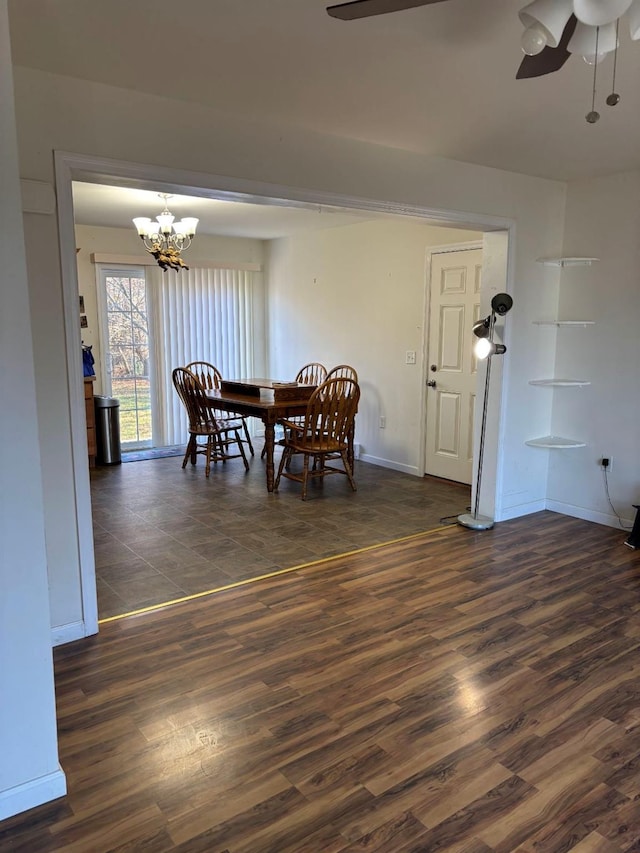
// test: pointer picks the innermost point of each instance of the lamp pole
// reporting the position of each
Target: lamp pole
(475, 521)
(500, 304)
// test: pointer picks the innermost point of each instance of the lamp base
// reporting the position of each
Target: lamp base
(475, 522)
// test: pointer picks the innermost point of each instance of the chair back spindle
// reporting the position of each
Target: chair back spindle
(344, 371)
(313, 373)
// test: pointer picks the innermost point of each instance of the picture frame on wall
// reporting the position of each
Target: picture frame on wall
(84, 323)
(82, 304)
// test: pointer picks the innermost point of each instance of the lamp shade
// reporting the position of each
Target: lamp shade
(482, 328)
(550, 15)
(583, 40)
(595, 13)
(142, 224)
(190, 223)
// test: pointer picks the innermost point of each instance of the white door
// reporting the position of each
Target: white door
(451, 366)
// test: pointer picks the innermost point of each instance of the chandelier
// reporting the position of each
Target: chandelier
(166, 239)
(555, 29)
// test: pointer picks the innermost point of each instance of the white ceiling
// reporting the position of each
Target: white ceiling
(438, 79)
(115, 207)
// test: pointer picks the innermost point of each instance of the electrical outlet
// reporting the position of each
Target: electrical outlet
(383, 422)
(606, 463)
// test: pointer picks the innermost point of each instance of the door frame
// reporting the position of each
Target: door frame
(429, 399)
(69, 167)
(103, 332)
(497, 276)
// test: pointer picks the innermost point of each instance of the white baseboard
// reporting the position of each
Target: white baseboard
(33, 793)
(388, 463)
(588, 514)
(61, 634)
(520, 510)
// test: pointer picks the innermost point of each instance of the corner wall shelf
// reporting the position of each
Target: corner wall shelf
(578, 383)
(564, 322)
(555, 441)
(566, 262)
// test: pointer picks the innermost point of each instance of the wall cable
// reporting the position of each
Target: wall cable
(606, 490)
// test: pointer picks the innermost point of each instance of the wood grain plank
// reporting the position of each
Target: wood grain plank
(467, 692)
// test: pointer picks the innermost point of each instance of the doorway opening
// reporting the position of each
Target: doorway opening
(72, 167)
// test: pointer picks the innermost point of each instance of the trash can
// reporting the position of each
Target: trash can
(107, 430)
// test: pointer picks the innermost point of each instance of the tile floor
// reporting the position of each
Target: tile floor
(162, 532)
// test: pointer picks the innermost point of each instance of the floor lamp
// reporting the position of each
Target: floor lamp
(485, 348)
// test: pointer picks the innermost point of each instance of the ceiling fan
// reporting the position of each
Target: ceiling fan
(554, 28)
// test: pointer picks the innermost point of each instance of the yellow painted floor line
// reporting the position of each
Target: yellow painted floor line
(275, 574)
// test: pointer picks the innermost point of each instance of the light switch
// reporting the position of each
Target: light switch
(410, 357)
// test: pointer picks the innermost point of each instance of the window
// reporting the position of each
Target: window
(126, 352)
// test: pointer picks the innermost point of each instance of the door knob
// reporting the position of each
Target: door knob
(431, 383)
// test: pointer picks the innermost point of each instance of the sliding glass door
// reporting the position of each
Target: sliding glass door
(126, 351)
(154, 321)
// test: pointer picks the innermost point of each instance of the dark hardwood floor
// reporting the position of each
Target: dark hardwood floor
(460, 691)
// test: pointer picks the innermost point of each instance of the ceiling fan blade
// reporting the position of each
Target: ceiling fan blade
(366, 8)
(551, 58)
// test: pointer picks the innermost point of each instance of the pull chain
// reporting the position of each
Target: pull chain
(614, 97)
(594, 116)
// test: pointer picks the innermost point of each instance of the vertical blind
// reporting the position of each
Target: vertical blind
(197, 315)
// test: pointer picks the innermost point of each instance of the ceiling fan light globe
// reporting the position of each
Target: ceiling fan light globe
(596, 13)
(634, 20)
(550, 15)
(534, 40)
(584, 39)
(594, 58)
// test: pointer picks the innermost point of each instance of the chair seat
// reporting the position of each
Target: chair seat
(317, 446)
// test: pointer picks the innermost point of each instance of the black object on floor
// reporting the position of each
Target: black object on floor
(634, 537)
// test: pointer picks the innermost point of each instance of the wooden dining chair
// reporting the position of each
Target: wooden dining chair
(324, 435)
(345, 371)
(312, 373)
(203, 424)
(210, 377)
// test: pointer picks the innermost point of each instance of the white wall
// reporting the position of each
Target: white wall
(57, 113)
(603, 220)
(120, 241)
(29, 770)
(356, 295)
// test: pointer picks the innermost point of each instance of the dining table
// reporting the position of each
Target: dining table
(268, 399)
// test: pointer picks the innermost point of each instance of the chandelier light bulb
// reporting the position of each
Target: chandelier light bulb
(534, 40)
